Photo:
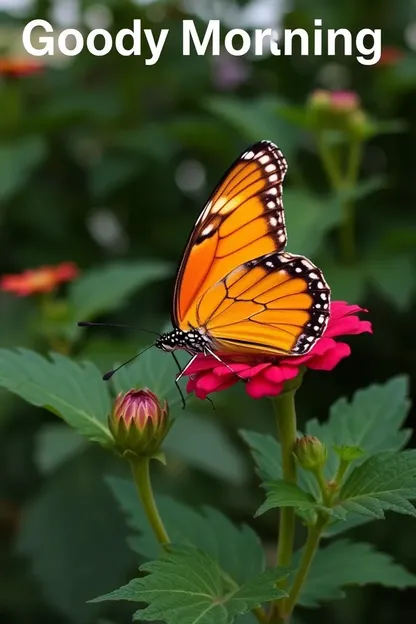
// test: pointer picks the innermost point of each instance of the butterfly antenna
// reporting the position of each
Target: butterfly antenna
(107, 376)
(88, 324)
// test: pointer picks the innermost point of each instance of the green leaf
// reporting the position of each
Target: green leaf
(267, 455)
(347, 283)
(283, 494)
(371, 421)
(238, 550)
(348, 453)
(386, 481)
(193, 438)
(186, 586)
(394, 277)
(17, 162)
(56, 444)
(107, 288)
(257, 119)
(309, 218)
(73, 536)
(156, 370)
(344, 563)
(73, 391)
(363, 189)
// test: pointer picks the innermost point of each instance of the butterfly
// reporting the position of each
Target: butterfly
(237, 291)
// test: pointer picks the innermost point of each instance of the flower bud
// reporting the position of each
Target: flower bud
(310, 452)
(320, 100)
(345, 101)
(138, 422)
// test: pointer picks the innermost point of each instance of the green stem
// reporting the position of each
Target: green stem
(343, 182)
(141, 476)
(347, 230)
(309, 551)
(284, 406)
(329, 163)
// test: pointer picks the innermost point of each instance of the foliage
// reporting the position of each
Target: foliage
(106, 162)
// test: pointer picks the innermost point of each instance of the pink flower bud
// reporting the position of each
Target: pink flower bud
(345, 101)
(139, 423)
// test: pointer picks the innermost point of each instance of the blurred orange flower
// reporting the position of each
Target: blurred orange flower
(19, 67)
(43, 279)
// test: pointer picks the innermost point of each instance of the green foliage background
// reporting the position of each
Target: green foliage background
(107, 162)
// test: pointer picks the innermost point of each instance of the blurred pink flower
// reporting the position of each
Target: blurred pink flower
(266, 376)
(335, 101)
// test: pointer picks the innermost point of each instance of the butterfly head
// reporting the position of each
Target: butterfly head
(193, 341)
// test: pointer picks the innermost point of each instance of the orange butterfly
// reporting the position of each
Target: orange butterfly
(237, 291)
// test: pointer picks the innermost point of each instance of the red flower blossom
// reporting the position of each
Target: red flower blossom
(19, 67)
(43, 279)
(266, 376)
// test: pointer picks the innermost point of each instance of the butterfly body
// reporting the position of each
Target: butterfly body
(237, 290)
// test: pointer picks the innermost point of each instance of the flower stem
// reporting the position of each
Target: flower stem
(141, 476)
(343, 182)
(284, 406)
(309, 551)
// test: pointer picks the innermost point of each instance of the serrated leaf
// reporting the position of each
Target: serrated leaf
(238, 550)
(283, 494)
(107, 288)
(345, 563)
(186, 586)
(73, 391)
(371, 421)
(386, 481)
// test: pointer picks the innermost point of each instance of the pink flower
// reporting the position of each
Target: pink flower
(266, 376)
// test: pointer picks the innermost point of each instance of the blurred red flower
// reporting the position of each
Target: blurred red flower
(390, 55)
(43, 279)
(266, 376)
(19, 67)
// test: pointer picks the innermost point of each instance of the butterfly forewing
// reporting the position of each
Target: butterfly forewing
(276, 304)
(242, 220)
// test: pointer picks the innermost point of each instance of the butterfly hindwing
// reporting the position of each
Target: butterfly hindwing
(276, 304)
(242, 220)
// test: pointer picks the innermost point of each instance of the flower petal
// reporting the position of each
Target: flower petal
(260, 387)
(328, 360)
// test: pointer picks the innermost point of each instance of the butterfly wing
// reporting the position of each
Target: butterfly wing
(276, 304)
(243, 219)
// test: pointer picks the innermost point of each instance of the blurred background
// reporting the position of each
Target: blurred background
(106, 163)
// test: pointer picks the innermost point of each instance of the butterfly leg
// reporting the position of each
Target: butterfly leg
(181, 373)
(225, 364)
(177, 379)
